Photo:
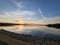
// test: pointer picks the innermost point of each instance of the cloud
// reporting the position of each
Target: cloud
(50, 20)
(41, 13)
(14, 15)
(25, 13)
(18, 13)
(18, 3)
(28, 16)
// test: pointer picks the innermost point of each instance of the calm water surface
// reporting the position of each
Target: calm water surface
(39, 31)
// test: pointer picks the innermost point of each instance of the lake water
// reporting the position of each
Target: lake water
(38, 31)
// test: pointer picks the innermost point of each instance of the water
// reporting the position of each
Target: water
(38, 31)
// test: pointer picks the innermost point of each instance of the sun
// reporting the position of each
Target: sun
(20, 21)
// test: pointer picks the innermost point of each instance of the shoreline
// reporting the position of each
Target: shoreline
(26, 39)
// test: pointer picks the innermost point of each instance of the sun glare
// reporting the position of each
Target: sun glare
(20, 21)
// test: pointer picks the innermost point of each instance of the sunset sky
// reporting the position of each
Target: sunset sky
(30, 11)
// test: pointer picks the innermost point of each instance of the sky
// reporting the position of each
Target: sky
(30, 11)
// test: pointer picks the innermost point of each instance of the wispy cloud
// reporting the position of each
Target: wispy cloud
(28, 16)
(19, 4)
(41, 13)
(50, 20)
(14, 15)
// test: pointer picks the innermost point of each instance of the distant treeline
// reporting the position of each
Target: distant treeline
(11, 24)
(57, 25)
(8, 24)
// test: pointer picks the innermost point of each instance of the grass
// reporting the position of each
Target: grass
(3, 43)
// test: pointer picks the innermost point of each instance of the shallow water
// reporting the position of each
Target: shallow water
(39, 31)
